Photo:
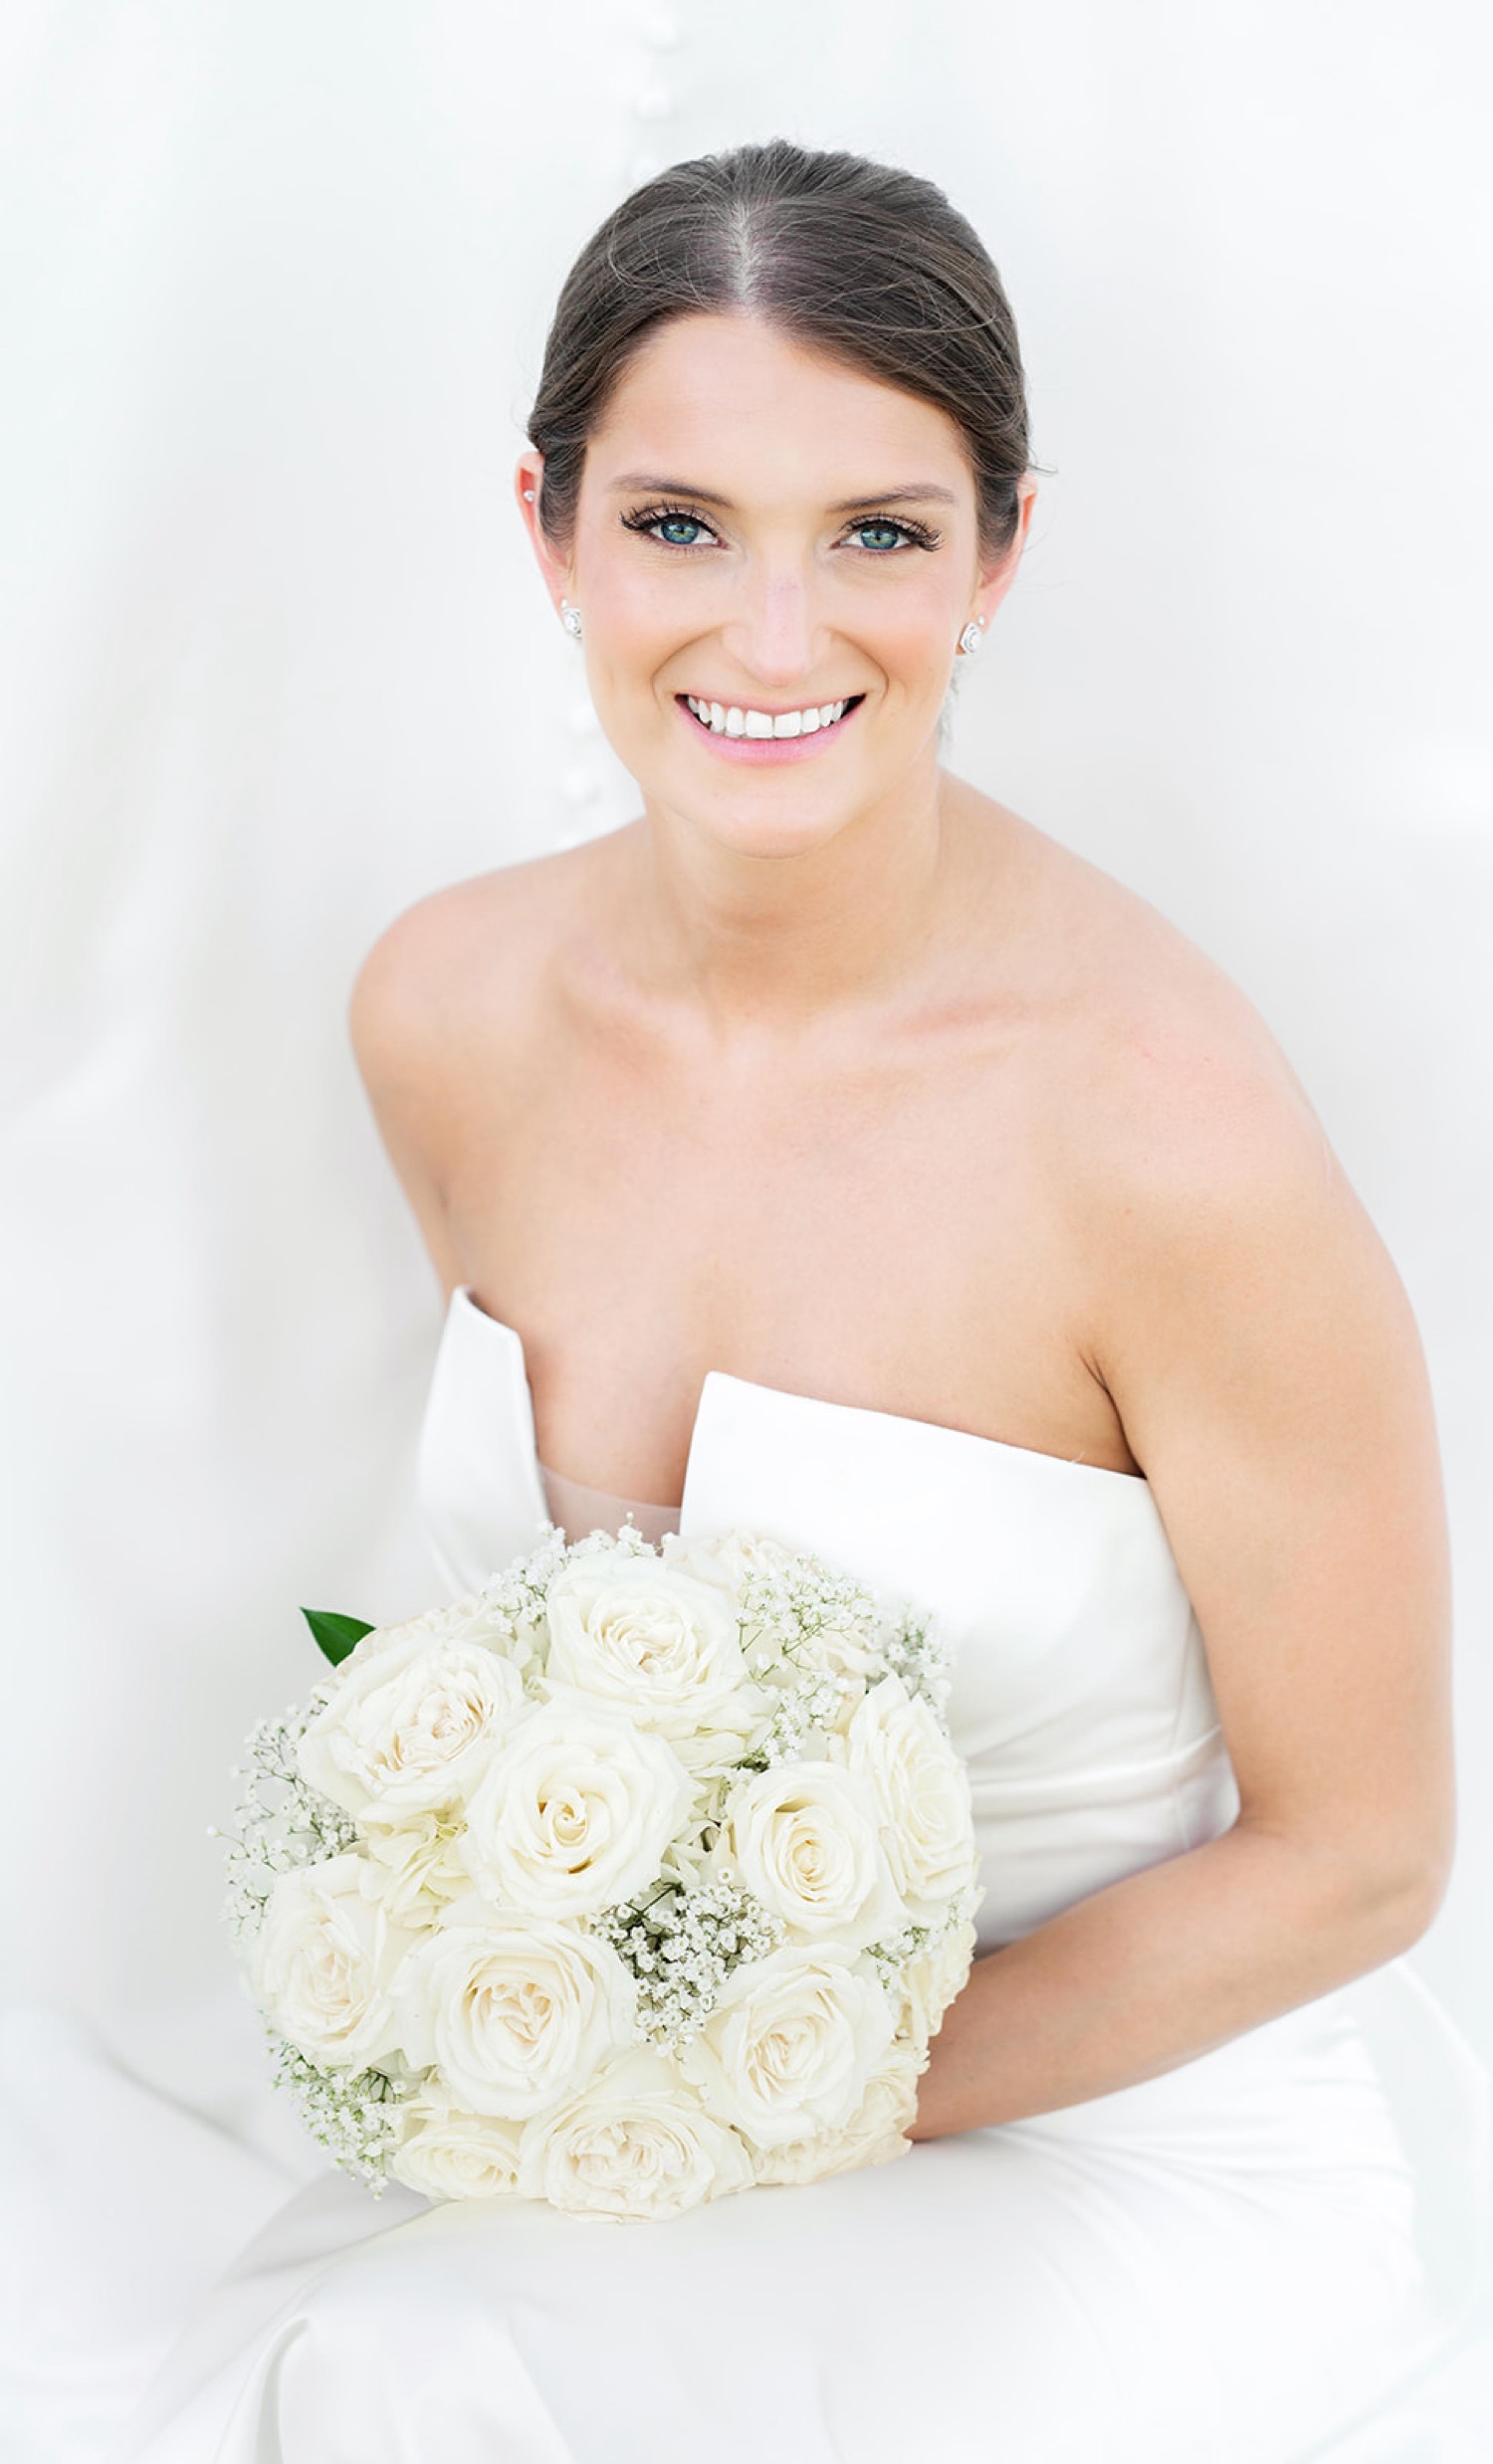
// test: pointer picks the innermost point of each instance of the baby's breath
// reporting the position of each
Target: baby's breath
(282, 1820)
(814, 1702)
(515, 1598)
(784, 1609)
(357, 2115)
(681, 1946)
(916, 1652)
(910, 1941)
(796, 1621)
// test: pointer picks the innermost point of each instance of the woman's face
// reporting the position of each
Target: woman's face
(764, 531)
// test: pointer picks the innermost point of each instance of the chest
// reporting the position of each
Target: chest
(888, 1233)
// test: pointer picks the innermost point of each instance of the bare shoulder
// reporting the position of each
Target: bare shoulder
(1201, 1208)
(1171, 1098)
(444, 1016)
(1228, 1269)
(464, 956)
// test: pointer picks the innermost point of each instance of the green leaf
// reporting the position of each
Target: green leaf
(335, 1635)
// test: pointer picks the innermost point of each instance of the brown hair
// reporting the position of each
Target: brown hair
(867, 263)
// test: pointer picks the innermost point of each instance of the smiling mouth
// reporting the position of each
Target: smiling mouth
(720, 719)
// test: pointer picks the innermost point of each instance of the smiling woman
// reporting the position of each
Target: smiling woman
(791, 617)
(831, 1152)
(696, 332)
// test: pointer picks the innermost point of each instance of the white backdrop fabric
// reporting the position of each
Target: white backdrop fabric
(277, 274)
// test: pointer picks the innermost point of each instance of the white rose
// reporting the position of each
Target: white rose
(725, 1560)
(470, 1619)
(325, 1963)
(931, 1980)
(922, 1792)
(846, 1650)
(875, 2133)
(647, 1636)
(414, 1867)
(447, 2154)
(410, 1727)
(792, 2043)
(803, 1837)
(513, 2013)
(575, 1811)
(635, 2143)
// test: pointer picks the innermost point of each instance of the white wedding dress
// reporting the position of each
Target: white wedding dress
(1231, 2264)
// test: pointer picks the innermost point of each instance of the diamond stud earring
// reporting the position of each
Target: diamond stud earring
(973, 635)
(571, 619)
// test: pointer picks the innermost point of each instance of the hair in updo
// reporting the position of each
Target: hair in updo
(869, 265)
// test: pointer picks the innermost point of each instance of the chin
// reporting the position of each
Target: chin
(762, 816)
(765, 833)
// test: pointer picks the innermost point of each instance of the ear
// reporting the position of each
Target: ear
(529, 479)
(995, 579)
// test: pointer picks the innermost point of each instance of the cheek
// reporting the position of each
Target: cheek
(637, 615)
(913, 634)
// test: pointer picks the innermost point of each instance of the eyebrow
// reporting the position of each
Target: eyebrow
(646, 481)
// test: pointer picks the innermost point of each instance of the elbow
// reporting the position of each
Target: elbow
(1415, 1906)
(1424, 1868)
(1375, 1899)
(1397, 1899)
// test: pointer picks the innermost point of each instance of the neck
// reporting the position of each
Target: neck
(779, 939)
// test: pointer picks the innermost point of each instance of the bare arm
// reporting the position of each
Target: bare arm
(1261, 1353)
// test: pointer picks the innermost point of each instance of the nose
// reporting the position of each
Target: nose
(771, 631)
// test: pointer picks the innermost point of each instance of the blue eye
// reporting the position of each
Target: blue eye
(670, 525)
(880, 536)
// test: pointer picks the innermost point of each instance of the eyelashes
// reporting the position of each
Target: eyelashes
(649, 517)
(648, 520)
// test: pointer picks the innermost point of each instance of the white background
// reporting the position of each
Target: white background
(277, 274)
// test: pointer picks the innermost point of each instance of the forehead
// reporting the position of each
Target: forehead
(733, 405)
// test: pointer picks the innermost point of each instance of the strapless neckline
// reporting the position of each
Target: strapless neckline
(464, 1297)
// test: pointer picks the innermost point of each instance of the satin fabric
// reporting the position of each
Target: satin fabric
(1226, 2265)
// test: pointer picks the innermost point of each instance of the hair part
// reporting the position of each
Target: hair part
(866, 264)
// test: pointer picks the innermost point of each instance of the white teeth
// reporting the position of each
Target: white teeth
(731, 720)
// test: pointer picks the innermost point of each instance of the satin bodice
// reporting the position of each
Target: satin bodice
(1080, 1694)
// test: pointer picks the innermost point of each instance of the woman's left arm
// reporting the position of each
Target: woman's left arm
(1261, 1353)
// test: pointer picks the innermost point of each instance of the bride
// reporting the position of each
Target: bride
(829, 1152)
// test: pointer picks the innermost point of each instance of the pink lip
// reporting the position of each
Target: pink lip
(756, 750)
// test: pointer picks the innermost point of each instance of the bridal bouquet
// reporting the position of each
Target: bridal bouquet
(639, 1875)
